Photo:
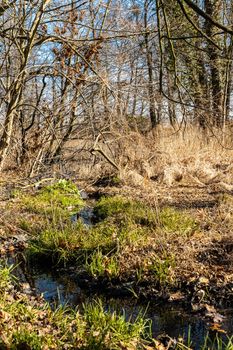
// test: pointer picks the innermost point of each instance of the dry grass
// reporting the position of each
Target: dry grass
(187, 157)
(188, 170)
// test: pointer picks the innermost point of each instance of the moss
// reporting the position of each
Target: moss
(59, 199)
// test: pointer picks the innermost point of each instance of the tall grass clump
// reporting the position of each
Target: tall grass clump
(60, 199)
(5, 276)
(107, 330)
(70, 243)
(122, 208)
(99, 264)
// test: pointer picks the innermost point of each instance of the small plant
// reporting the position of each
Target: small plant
(111, 331)
(15, 193)
(161, 268)
(98, 264)
(5, 276)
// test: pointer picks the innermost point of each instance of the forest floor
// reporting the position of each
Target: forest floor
(203, 248)
(157, 242)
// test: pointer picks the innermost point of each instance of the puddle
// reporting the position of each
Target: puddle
(62, 287)
(86, 215)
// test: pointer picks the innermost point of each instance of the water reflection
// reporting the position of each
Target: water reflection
(62, 287)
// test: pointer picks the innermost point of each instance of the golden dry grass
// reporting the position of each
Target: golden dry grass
(187, 156)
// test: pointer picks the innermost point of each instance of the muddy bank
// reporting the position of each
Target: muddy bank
(169, 319)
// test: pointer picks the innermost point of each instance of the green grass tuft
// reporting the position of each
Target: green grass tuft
(123, 209)
(58, 200)
(161, 268)
(174, 221)
(111, 331)
(99, 264)
(25, 339)
(5, 277)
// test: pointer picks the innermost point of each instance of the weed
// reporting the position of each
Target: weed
(98, 264)
(5, 276)
(109, 330)
(174, 221)
(161, 268)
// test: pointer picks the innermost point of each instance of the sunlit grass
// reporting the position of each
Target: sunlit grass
(27, 324)
(98, 264)
(59, 199)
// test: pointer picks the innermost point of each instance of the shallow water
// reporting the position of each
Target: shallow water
(62, 287)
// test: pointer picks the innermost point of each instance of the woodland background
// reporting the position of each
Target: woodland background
(110, 84)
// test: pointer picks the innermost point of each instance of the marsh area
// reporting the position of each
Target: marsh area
(133, 259)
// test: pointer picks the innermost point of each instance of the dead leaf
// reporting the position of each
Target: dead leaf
(216, 327)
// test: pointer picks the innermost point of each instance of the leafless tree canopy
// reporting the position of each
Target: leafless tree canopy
(73, 69)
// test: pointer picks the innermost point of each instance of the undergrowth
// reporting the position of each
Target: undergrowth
(28, 324)
(125, 225)
(58, 200)
(167, 219)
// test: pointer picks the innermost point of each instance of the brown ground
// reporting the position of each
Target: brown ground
(204, 260)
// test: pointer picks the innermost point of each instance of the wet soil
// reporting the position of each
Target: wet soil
(168, 320)
(206, 265)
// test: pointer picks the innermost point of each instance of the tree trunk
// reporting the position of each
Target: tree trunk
(213, 10)
(149, 61)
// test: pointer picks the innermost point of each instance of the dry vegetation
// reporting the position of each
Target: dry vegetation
(166, 218)
(183, 170)
(183, 157)
(131, 103)
(186, 170)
